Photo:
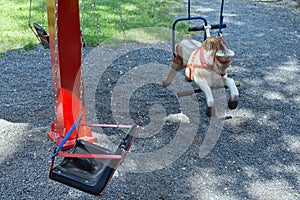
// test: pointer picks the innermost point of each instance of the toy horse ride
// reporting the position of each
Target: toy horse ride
(205, 63)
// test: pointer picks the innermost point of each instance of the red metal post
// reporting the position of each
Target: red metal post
(66, 80)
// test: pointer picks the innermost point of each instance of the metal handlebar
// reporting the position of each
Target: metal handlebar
(201, 28)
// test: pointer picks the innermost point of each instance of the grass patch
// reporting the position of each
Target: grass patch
(15, 32)
(136, 15)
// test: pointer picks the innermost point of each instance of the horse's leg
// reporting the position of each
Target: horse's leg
(176, 66)
(170, 77)
(234, 93)
(203, 85)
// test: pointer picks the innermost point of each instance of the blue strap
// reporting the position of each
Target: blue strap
(61, 144)
(221, 18)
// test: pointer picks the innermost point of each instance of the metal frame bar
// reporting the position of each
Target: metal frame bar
(69, 70)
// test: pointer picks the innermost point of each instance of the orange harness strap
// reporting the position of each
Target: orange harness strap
(192, 65)
(203, 64)
(179, 59)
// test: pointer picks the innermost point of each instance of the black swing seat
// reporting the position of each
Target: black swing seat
(91, 175)
(42, 34)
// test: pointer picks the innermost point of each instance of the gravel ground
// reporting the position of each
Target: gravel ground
(256, 155)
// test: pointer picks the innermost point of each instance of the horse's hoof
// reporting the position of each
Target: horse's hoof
(165, 84)
(210, 112)
(232, 104)
(188, 80)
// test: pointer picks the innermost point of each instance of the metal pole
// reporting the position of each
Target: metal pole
(189, 9)
(69, 69)
(221, 18)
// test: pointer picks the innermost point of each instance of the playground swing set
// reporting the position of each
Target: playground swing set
(39, 32)
(87, 166)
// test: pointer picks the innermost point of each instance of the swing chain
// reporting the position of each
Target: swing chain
(43, 13)
(97, 21)
(30, 7)
(82, 15)
(98, 24)
(121, 19)
(81, 88)
(82, 24)
(56, 73)
(81, 85)
(221, 19)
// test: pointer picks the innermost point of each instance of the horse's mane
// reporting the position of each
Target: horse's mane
(212, 44)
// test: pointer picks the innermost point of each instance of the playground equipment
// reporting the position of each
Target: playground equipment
(206, 64)
(65, 50)
(88, 167)
(38, 30)
(206, 27)
(208, 59)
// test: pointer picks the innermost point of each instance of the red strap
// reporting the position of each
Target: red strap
(221, 74)
(177, 51)
(202, 64)
(192, 65)
(224, 62)
(104, 156)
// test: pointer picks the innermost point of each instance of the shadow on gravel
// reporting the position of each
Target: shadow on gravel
(26, 92)
(257, 156)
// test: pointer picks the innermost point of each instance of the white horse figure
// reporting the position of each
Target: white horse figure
(206, 65)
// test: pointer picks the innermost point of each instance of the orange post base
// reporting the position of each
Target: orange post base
(85, 133)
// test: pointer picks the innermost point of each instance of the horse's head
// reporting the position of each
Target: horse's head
(219, 49)
(211, 45)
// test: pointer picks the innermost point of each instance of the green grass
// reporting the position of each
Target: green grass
(137, 17)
